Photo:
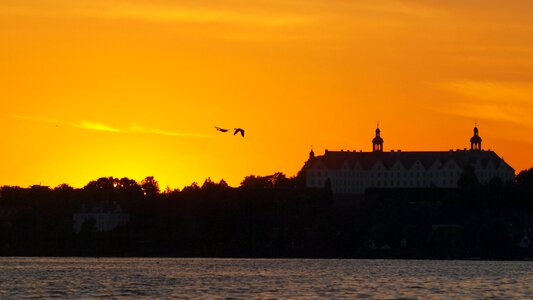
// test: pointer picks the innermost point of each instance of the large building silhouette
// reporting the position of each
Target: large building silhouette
(352, 172)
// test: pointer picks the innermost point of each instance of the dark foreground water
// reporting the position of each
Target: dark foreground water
(262, 278)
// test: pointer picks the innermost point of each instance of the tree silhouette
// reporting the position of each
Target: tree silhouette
(278, 180)
(103, 184)
(223, 183)
(275, 180)
(525, 178)
(256, 182)
(212, 186)
(150, 186)
(208, 184)
(193, 187)
(64, 187)
(127, 184)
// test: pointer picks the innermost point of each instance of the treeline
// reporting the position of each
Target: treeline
(272, 216)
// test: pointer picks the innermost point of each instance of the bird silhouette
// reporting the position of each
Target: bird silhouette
(239, 130)
(221, 129)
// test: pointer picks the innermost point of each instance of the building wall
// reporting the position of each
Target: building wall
(355, 180)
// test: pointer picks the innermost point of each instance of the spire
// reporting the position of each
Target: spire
(311, 153)
(377, 142)
(475, 141)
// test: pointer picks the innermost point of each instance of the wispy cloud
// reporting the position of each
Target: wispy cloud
(493, 91)
(399, 8)
(162, 12)
(95, 126)
(491, 100)
(201, 15)
(253, 21)
(99, 126)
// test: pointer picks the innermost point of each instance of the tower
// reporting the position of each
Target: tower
(377, 141)
(475, 141)
(311, 154)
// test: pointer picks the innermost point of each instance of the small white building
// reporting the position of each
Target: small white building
(106, 217)
(352, 172)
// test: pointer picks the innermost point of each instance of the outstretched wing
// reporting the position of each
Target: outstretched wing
(239, 130)
(221, 129)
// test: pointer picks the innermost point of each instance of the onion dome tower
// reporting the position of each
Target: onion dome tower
(475, 141)
(377, 141)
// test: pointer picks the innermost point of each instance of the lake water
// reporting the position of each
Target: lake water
(262, 278)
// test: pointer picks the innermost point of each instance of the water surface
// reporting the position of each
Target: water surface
(262, 278)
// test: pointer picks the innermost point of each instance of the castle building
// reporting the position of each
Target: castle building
(352, 172)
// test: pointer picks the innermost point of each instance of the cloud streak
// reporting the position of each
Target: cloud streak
(188, 15)
(493, 91)
(491, 100)
(99, 126)
(95, 126)
(162, 12)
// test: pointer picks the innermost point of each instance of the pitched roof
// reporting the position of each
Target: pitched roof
(336, 159)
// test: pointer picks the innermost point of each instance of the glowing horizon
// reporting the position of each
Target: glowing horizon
(134, 88)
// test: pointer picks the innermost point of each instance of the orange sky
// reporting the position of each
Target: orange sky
(133, 88)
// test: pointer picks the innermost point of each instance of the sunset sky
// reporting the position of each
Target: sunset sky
(134, 88)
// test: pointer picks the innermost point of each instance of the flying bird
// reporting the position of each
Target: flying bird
(221, 129)
(239, 130)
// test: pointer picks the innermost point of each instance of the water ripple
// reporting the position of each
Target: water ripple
(120, 278)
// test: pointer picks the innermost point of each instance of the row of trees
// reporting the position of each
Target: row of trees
(149, 187)
(271, 216)
(111, 188)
